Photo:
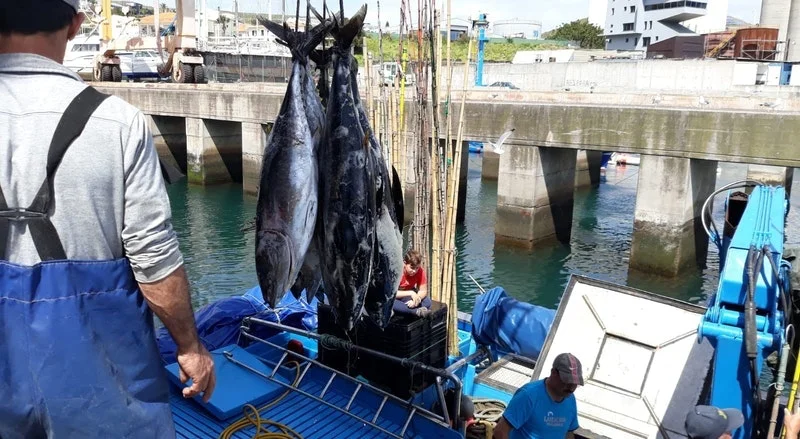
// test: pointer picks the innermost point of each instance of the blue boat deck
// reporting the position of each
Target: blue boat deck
(308, 415)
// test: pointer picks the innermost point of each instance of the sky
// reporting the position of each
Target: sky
(550, 13)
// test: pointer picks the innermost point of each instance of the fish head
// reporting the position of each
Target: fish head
(274, 262)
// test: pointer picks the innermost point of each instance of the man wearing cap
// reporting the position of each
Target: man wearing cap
(87, 249)
(707, 422)
(546, 408)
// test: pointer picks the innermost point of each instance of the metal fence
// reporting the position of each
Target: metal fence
(229, 67)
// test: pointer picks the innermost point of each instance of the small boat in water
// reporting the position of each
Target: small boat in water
(475, 147)
(624, 159)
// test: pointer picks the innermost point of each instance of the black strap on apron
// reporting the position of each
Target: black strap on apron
(37, 216)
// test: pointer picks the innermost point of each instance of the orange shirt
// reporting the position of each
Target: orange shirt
(415, 281)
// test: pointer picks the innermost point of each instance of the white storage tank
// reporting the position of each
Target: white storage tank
(793, 32)
(775, 14)
(516, 28)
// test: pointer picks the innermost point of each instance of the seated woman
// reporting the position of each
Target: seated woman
(412, 297)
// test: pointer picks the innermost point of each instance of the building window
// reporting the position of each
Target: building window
(627, 27)
(636, 41)
(656, 38)
(633, 9)
(612, 11)
(625, 9)
(626, 40)
(645, 41)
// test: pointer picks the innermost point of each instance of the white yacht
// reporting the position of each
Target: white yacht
(80, 54)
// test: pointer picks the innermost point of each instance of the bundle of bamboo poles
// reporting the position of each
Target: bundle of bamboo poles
(435, 165)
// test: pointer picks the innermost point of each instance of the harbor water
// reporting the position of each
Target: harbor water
(219, 256)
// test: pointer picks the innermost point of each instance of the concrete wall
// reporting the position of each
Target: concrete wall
(707, 76)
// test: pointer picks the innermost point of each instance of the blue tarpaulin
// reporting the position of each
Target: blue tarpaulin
(218, 323)
(502, 322)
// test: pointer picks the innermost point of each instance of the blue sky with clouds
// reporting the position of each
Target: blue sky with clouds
(550, 13)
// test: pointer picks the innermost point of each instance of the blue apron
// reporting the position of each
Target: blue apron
(78, 356)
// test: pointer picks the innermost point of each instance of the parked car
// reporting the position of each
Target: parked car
(139, 64)
(502, 84)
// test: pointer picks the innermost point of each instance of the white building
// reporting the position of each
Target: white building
(635, 24)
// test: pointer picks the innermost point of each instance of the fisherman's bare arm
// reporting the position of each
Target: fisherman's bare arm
(169, 300)
(502, 429)
(152, 249)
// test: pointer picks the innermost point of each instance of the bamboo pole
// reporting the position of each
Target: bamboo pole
(367, 78)
(450, 273)
(436, 186)
(422, 203)
(391, 158)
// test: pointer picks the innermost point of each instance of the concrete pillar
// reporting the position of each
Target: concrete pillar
(169, 137)
(587, 172)
(254, 144)
(214, 151)
(667, 232)
(490, 168)
(772, 175)
(535, 195)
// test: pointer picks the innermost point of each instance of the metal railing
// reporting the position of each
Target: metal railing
(413, 411)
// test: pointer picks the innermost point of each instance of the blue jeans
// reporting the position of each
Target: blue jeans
(401, 307)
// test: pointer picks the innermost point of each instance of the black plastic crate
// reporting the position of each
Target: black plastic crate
(422, 339)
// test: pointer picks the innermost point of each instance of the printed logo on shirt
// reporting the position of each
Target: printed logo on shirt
(554, 421)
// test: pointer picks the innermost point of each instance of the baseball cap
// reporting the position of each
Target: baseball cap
(708, 422)
(569, 368)
(74, 3)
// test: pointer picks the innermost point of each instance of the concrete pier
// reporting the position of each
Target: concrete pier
(490, 168)
(535, 195)
(667, 232)
(410, 193)
(254, 144)
(587, 172)
(772, 175)
(214, 151)
(169, 137)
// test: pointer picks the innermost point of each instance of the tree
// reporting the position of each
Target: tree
(587, 35)
(223, 20)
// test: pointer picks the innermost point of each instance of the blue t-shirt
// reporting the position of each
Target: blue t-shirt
(533, 414)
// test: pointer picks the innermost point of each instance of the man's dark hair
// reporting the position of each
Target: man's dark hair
(29, 17)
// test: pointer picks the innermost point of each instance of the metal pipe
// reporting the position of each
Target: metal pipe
(481, 352)
(402, 361)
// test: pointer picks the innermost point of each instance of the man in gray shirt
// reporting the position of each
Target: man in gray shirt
(85, 236)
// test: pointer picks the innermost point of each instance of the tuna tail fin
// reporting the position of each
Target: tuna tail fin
(299, 43)
(397, 198)
(321, 57)
(345, 31)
